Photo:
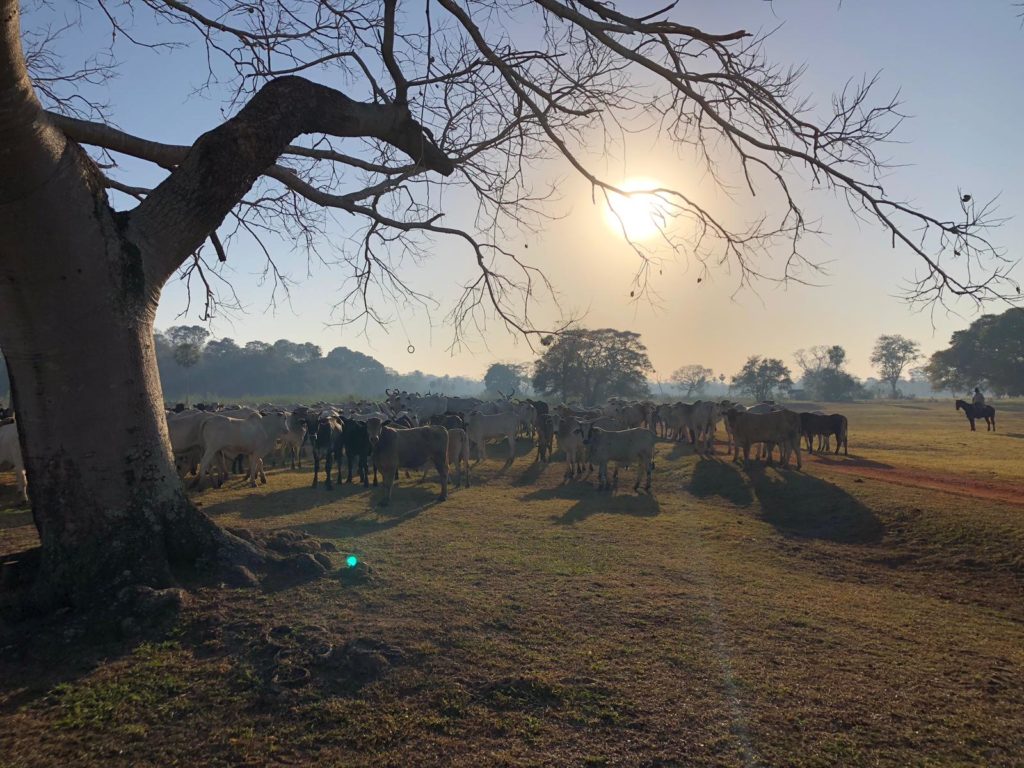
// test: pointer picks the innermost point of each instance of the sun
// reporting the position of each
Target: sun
(639, 216)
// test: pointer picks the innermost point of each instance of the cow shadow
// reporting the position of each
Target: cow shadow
(1016, 435)
(832, 459)
(803, 506)
(590, 501)
(533, 473)
(723, 479)
(281, 503)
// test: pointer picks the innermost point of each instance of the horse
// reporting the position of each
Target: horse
(972, 412)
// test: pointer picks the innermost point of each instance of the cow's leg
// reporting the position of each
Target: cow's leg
(511, 449)
(251, 476)
(442, 470)
(327, 469)
(316, 466)
(641, 463)
(388, 480)
(204, 465)
(349, 458)
(796, 448)
(262, 469)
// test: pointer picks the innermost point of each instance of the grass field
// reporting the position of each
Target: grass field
(866, 611)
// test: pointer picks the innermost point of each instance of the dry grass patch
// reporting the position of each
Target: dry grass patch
(737, 616)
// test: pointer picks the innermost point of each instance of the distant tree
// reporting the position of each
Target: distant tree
(891, 355)
(591, 366)
(692, 379)
(836, 356)
(188, 342)
(505, 378)
(823, 377)
(989, 352)
(762, 377)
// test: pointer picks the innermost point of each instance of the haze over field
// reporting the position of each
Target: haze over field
(964, 103)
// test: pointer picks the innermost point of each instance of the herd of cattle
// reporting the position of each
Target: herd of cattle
(410, 431)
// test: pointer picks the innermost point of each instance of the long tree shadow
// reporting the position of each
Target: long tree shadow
(722, 479)
(804, 506)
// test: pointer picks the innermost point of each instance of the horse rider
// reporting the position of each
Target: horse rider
(979, 399)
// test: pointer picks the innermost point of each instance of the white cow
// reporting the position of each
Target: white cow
(254, 437)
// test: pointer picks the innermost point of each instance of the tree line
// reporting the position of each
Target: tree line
(583, 365)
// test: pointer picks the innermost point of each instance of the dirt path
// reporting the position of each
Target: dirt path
(992, 490)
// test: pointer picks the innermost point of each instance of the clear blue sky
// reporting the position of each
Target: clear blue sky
(957, 64)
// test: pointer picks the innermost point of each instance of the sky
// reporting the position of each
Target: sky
(955, 64)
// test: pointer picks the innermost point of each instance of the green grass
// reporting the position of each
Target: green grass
(866, 611)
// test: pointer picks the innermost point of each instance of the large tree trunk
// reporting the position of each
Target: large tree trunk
(77, 333)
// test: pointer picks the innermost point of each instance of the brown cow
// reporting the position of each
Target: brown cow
(781, 427)
(410, 448)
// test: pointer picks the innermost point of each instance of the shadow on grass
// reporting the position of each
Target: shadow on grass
(1017, 435)
(590, 501)
(283, 503)
(722, 479)
(534, 472)
(803, 506)
(406, 503)
(832, 459)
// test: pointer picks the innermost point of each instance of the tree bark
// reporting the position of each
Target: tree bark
(77, 333)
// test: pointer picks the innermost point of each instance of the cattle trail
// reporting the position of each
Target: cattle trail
(990, 490)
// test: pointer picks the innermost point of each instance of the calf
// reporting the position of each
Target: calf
(624, 446)
(411, 448)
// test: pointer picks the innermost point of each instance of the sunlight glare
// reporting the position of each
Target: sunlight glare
(639, 216)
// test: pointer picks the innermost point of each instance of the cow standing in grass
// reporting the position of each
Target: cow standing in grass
(625, 446)
(777, 427)
(411, 449)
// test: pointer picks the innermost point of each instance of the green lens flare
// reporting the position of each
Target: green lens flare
(351, 561)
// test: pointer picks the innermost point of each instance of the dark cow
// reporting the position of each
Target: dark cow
(327, 442)
(824, 426)
(410, 448)
(545, 436)
(448, 421)
(356, 439)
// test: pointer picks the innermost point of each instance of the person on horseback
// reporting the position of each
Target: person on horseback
(979, 399)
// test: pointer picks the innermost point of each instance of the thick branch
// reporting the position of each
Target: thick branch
(30, 150)
(223, 163)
